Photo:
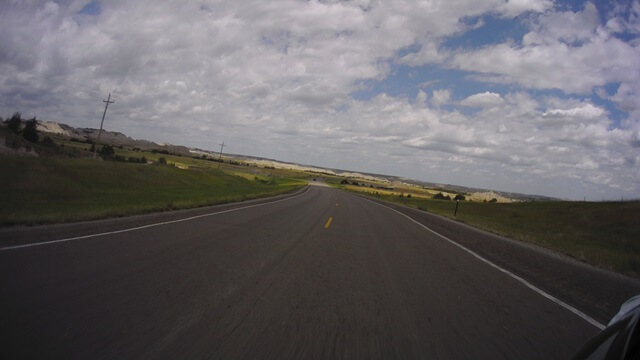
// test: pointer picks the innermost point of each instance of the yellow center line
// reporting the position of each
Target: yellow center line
(326, 226)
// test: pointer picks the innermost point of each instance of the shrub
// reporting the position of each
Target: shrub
(162, 160)
(160, 151)
(30, 133)
(48, 141)
(107, 152)
(440, 196)
(14, 122)
(459, 197)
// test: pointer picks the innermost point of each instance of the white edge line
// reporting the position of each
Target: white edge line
(149, 225)
(577, 312)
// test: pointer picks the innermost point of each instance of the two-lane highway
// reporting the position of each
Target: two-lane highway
(322, 274)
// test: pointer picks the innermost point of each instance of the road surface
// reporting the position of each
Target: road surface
(319, 274)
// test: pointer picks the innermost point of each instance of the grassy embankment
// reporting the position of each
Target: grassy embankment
(604, 234)
(48, 190)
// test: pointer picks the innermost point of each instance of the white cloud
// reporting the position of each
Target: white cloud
(585, 111)
(440, 97)
(565, 50)
(517, 140)
(485, 99)
(627, 98)
(512, 8)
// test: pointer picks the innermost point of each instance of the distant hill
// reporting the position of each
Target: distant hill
(488, 192)
(108, 137)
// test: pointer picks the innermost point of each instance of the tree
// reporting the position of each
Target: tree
(14, 122)
(440, 196)
(459, 197)
(107, 152)
(30, 132)
(162, 160)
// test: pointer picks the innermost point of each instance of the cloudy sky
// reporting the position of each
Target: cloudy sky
(532, 96)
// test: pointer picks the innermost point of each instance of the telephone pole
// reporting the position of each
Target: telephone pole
(220, 158)
(106, 105)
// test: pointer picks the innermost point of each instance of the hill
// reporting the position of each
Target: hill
(107, 137)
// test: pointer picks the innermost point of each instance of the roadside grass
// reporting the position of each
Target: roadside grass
(37, 190)
(605, 234)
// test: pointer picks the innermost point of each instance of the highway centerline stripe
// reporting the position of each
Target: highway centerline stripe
(326, 226)
(545, 294)
(149, 225)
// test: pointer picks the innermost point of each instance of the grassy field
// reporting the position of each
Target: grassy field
(37, 190)
(604, 234)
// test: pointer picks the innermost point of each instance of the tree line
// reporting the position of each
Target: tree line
(29, 131)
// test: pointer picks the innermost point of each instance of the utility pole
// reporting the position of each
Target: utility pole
(106, 105)
(220, 158)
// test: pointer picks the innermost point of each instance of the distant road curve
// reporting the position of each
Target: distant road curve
(317, 274)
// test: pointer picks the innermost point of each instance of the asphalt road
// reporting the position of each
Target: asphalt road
(321, 274)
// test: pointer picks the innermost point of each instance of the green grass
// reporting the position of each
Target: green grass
(604, 234)
(49, 190)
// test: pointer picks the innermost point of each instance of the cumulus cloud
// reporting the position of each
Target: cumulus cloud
(583, 112)
(566, 26)
(485, 99)
(513, 8)
(520, 141)
(569, 51)
(440, 97)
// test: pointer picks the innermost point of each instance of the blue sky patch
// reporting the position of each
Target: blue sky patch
(407, 81)
(92, 8)
(495, 30)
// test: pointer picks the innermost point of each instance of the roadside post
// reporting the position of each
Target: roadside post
(455, 212)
